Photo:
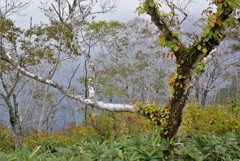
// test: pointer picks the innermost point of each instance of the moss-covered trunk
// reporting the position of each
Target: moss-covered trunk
(178, 100)
(188, 57)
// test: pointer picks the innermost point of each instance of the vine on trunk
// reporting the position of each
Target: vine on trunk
(188, 57)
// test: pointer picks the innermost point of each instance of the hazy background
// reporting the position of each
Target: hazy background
(125, 11)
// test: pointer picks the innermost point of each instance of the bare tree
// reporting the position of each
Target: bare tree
(133, 54)
(220, 70)
(216, 74)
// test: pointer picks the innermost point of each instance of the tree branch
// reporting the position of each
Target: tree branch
(67, 92)
(207, 42)
(156, 18)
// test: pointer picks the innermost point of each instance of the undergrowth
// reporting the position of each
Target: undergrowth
(209, 134)
(145, 146)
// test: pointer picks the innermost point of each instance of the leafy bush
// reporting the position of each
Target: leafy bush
(108, 126)
(141, 147)
(210, 119)
(129, 137)
(234, 105)
(212, 147)
(6, 139)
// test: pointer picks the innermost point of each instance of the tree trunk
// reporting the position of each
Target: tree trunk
(15, 127)
(187, 58)
(204, 97)
(43, 110)
(178, 100)
(12, 105)
(18, 127)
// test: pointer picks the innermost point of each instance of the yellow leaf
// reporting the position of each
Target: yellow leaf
(141, 11)
(204, 50)
(199, 47)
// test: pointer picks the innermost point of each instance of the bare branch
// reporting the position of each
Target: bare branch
(10, 7)
(67, 92)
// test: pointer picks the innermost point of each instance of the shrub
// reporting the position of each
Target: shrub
(197, 119)
(109, 126)
(104, 127)
(234, 105)
(6, 139)
(211, 147)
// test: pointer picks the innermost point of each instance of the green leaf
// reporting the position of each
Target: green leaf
(175, 48)
(141, 11)
(180, 76)
(206, 32)
(212, 24)
(199, 47)
(34, 152)
(220, 5)
(151, 4)
(204, 50)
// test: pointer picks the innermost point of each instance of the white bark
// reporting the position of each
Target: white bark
(91, 89)
(50, 76)
(43, 110)
(91, 102)
(91, 66)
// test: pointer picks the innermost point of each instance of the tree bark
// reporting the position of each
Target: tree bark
(187, 58)
(12, 105)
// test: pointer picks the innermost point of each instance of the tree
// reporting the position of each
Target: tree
(190, 57)
(218, 72)
(9, 97)
(139, 67)
(10, 81)
(32, 51)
